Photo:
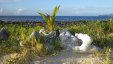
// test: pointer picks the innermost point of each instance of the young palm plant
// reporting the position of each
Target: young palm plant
(50, 19)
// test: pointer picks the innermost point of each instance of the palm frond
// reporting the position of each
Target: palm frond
(43, 16)
(50, 20)
(55, 12)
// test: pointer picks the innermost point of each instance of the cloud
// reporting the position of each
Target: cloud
(1, 11)
(14, 12)
(76, 11)
(10, 0)
(85, 11)
(4, 1)
(17, 0)
(19, 11)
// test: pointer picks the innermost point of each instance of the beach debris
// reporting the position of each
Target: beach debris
(51, 34)
(43, 31)
(4, 34)
(21, 43)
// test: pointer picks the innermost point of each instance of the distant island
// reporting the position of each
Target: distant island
(106, 15)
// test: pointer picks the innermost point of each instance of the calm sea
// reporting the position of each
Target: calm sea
(58, 18)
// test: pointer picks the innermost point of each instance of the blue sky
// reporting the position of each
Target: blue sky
(67, 7)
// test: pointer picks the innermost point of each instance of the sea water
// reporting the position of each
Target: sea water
(58, 18)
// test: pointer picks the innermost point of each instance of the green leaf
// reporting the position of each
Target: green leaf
(50, 20)
(53, 15)
(43, 16)
(55, 12)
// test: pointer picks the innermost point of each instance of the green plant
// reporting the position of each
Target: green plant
(100, 31)
(50, 19)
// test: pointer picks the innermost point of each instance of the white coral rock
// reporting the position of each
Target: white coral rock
(86, 42)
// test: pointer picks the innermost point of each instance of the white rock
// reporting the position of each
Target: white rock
(65, 32)
(86, 39)
(68, 40)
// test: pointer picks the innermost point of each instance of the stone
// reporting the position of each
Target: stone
(4, 34)
(86, 42)
(65, 32)
(35, 34)
(68, 41)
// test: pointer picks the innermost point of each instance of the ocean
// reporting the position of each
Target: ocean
(58, 18)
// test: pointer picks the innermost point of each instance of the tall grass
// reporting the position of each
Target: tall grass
(100, 31)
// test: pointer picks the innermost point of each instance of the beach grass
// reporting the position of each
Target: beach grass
(100, 31)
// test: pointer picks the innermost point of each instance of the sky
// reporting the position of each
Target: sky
(67, 7)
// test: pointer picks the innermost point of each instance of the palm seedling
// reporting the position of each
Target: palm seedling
(50, 20)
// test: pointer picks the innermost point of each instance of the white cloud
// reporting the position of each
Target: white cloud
(76, 11)
(1, 10)
(4, 1)
(16, 0)
(15, 12)
(9, 0)
(85, 11)
(19, 11)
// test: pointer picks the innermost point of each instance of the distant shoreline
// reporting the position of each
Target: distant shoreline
(1, 21)
(43, 23)
(58, 18)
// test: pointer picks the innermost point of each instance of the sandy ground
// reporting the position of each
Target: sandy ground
(64, 57)
(69, 57)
